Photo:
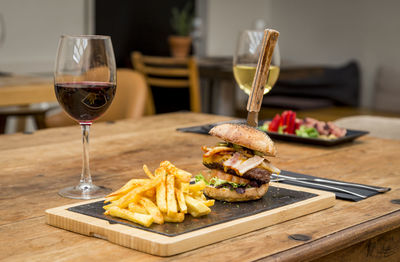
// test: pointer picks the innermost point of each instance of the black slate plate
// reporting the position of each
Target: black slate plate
(221, 212)
(350, 135)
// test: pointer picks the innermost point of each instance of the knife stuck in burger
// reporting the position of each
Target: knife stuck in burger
(239, 169)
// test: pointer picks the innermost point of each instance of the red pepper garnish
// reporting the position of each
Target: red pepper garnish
(292, 123)
(274, 125)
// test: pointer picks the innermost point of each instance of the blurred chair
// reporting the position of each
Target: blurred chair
(169, 72)
(129, 101)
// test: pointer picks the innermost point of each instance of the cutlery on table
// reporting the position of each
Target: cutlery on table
(282, 178)
(321, 180)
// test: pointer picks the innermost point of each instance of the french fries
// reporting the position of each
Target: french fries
(178, 173)
(148, 172)
(145, 220)
(166, 196)
(172, 208)
(123, 190)
(134, 195)
(197, 187)
(181, 200)
(195, 207)
(152, 209)
(136, 208)
(184, 187)
(179, 217)
(161, 195)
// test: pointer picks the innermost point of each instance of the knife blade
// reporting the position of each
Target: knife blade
(321, 180)
(252, 118)
(322, 186)
(260, 78)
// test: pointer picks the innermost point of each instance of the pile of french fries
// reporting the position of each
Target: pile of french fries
(166, 196)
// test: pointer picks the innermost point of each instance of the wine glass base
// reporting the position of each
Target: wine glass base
(84, 191)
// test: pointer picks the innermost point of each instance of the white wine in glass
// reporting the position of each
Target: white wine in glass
(246, 58)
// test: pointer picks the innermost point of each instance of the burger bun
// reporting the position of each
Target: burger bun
(245, 136)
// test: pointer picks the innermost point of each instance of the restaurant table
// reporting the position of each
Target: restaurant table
(19, 92)
(25, 90)
(33, 167)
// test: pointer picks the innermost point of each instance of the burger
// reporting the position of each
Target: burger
(239, 168)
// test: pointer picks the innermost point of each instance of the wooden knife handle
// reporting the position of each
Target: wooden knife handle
(260, 78)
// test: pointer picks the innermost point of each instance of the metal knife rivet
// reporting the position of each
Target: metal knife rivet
(395, 201)
(299, 237)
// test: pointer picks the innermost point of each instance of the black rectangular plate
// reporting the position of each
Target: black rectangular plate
(221, 212)
(350, 136)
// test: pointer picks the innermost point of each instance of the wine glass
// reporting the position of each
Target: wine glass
(85, 84)
(246, 57)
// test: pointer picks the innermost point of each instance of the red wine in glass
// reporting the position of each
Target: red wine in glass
(85, 101)
(84, 84)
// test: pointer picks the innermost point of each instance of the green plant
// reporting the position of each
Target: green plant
(182, 20)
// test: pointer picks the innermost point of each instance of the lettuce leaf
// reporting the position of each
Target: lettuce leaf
(307, 131)
(215, 181)
(199, 178)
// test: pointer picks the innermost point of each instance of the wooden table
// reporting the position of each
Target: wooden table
(25, 90)
(34, 167)
(18, 92)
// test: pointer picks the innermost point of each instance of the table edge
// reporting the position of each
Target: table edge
(339, 240)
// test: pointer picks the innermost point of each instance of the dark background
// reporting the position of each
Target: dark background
(136, 26)
(142, 26)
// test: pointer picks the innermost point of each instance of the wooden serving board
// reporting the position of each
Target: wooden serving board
(157, 242)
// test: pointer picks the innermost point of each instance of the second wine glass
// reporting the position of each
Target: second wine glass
(85, 85)
(245, 60)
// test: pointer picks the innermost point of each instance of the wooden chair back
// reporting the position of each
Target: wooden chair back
(169, 72)
(129, 100)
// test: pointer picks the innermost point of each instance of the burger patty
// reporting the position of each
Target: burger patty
(258, 174)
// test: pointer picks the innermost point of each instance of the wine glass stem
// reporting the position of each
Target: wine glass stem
(86, 178)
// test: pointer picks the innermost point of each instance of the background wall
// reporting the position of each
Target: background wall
(315, 32)
(137, 26)
(323, 32)
(32, 30)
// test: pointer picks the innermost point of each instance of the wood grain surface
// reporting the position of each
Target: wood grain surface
(34, 167)
(261, 75)
(24, 90)
(158, 244)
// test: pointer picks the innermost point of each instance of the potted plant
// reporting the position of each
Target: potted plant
(181, 22)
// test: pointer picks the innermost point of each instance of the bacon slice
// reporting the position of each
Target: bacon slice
(233, 162)
(237, 163)
(249, 164)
